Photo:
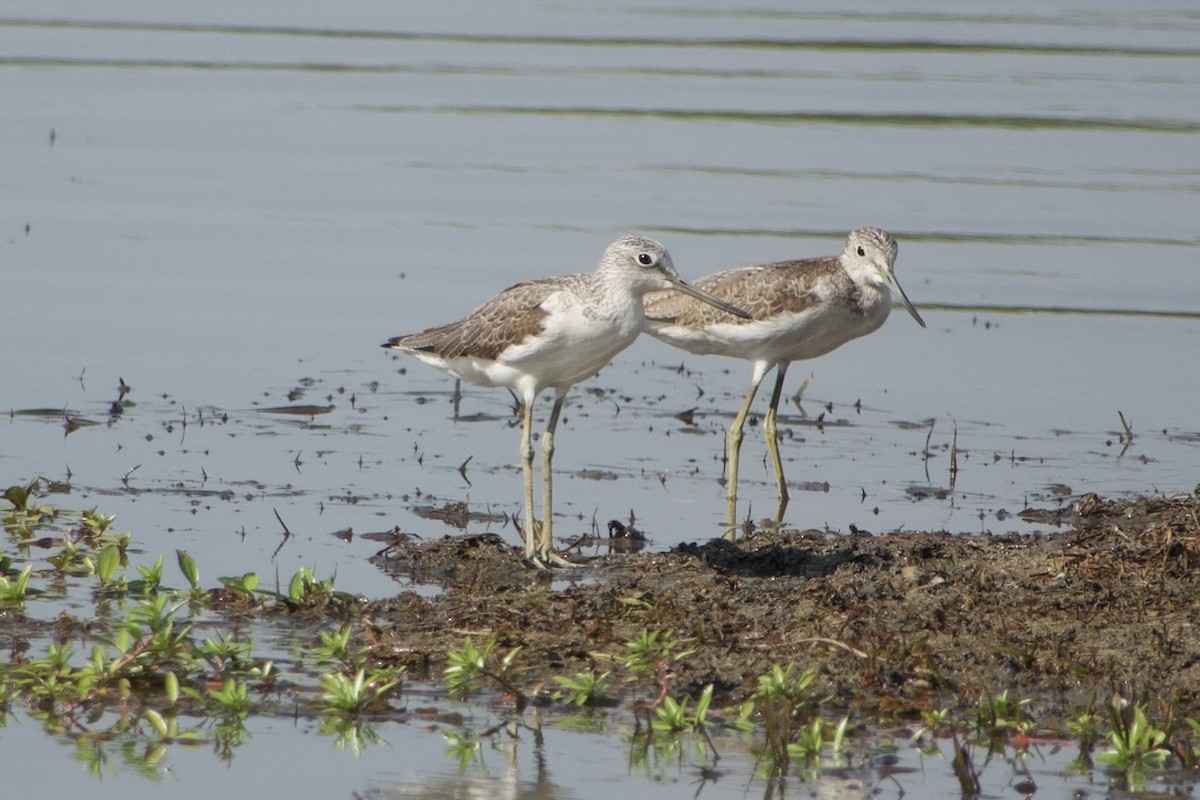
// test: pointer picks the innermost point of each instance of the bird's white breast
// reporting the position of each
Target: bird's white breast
(577, 340)
(788, 336)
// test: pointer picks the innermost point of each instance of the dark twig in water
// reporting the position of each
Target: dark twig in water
(287, 534)
(799, 395)
(125, 477)
(954, 455)
(748, 526)
(964, 769)
(1128, 426)
(708, 774)
(646, 706)
(1126, 438)
(928, 436)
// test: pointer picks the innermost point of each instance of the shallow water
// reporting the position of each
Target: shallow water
(414, 758)
(229, 208)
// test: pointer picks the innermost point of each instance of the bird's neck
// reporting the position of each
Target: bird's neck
(612, 297)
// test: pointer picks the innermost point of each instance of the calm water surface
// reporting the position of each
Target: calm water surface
(230, 207)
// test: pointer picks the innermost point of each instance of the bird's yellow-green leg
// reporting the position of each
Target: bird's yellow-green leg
(530, 532)
(735, 445)
(769, 431)
(545, 550)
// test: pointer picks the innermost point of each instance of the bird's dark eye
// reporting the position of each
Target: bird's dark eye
(645, 259)
(861, 251)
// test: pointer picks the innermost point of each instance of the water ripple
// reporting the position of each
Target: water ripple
(557, 40)
(1008, 121)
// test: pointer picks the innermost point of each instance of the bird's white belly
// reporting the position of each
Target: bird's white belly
(571, 348)
(566, 354)
(786, 337)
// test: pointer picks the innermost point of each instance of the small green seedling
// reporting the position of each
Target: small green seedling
(14, 589)
(583, 689)
(364, 692)
(468, 664)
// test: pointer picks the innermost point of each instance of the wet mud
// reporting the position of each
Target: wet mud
(893, 623)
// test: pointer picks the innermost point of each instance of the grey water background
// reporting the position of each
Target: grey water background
(230, 206)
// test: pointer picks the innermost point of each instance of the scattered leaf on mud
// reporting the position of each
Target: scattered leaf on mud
(596, 475)
(53, 413)
(300, 411)
(456, 514)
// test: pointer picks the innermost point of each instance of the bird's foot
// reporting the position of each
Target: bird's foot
(542, 557)
(558, 561)
(550, 560)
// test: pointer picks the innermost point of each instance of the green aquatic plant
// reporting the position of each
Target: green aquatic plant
(150, 580)
(464, 749)
(244, 586)
(132, 657)
(361, 693)
(107, 563)
(25, 513)
(672, 716)
(225, 654)
(47, 683)
(349, 732)
(190, 570)
(812, 739)
(335, 649)
(583, 689)
(93, 528)
(998, 714)
(1086, 728)
(69, 560)
(647, 654)
(784, 702)
(150, 629)
(111, 551)
(233, 699)
(935, 723)
(141, 652)
(305, 589)
(469, 664)
(1136, 744)
(1187, 753)
(168, 729)
(13, 589)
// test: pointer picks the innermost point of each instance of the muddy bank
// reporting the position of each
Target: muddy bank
(893, 623)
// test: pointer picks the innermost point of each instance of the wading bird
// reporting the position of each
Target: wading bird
(551, 334)
(798, 310)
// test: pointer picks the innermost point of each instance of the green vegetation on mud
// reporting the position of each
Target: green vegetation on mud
(645, 644)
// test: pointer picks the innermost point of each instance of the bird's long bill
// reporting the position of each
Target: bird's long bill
(680, 285)
(904, 299)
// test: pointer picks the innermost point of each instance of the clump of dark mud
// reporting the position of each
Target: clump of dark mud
(893, 623)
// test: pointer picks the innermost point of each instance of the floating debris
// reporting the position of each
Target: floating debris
(299, 411)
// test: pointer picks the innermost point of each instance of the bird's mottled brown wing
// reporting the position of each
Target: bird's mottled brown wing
(506, 320)
(762, 290)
